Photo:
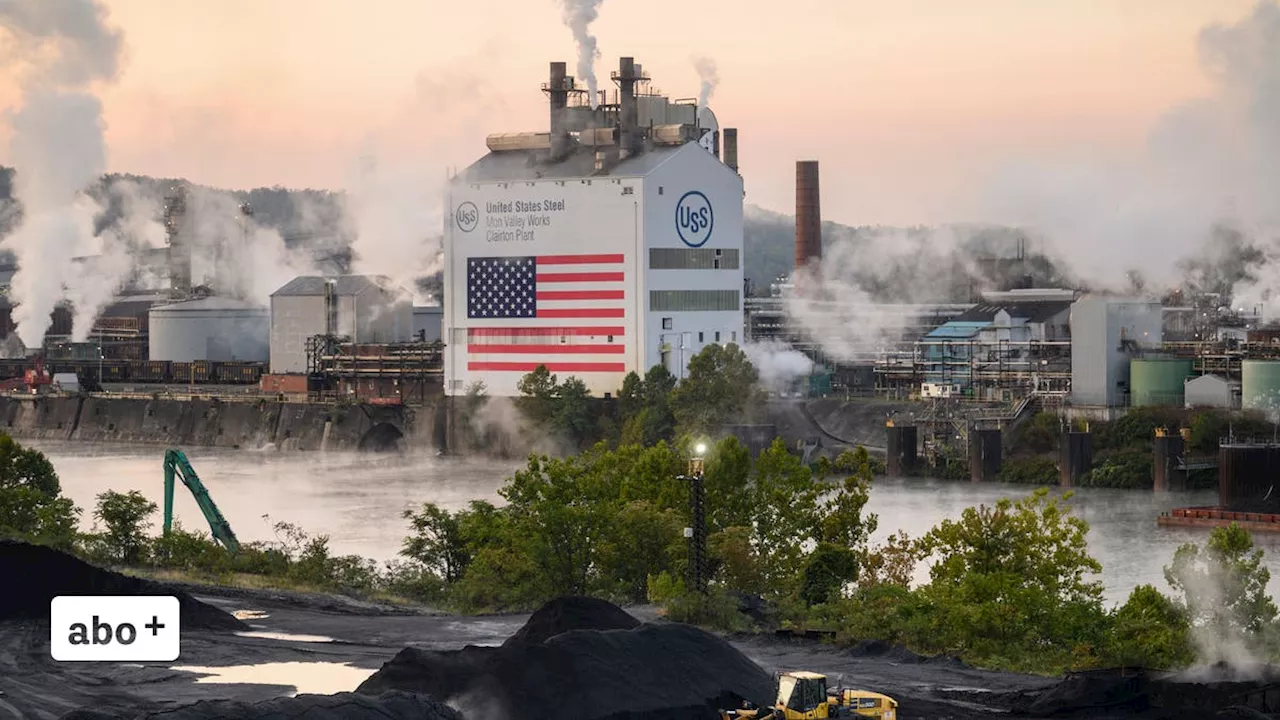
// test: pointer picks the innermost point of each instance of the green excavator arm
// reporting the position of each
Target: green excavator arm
(177, 465)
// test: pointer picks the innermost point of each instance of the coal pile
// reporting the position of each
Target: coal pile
(1148, 694)
(668, 671)
(342, 706)
(571, 613)
(34, 575)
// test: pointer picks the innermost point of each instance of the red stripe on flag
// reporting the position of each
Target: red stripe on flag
(553, 367)
(548, 349)
(580, 312)
(581, 277)
(580, 294)
(578, 259)
(540, 331)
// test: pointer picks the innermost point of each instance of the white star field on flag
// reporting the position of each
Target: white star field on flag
(504, 287)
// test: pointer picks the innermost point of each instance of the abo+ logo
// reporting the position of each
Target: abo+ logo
(467, 216)
(694, 219)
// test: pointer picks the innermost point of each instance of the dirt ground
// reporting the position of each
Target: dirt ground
(32, 685)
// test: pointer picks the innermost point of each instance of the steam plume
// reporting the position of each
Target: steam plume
(1204, 168)
(61, 50)
(710, 79)
(778, 363)
(578, 15)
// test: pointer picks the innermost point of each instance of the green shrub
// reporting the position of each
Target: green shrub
(1029, 471)
(1129, 468)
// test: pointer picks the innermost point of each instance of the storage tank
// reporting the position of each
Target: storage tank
(1158, 381)
(220, 329)
(1260, 385)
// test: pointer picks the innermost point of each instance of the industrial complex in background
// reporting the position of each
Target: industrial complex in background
(613, 242)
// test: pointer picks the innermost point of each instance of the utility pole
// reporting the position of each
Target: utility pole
(697, 530)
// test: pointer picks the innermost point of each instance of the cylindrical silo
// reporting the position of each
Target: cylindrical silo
(212, 328)
(1260, 384)
(1158, 381)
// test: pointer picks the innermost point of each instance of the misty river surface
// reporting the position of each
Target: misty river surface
(357, 500)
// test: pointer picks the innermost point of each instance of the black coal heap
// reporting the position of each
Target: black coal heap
(573, 660)
(35, 575)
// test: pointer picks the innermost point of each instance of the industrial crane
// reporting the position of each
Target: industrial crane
(176, 464)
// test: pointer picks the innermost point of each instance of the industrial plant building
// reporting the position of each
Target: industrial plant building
(610, 244)
(361, 309)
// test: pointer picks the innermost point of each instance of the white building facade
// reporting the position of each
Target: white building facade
(592, 274)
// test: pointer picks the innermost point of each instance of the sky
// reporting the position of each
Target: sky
(910, 105)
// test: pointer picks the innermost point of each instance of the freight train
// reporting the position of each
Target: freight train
(201, 372)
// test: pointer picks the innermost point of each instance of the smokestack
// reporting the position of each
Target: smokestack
(715, 144)
(808, 215)
(628, 110)
(558, 90)
(731, 148)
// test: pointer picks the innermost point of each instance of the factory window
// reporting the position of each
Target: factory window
(610, 338)
(693, 300)
(699, 337)
(659, 189)
(666, 323)
(693, 259)
(717, 336)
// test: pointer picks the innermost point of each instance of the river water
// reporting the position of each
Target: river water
(357, 500)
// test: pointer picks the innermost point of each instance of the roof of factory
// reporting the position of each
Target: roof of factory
(500, 166)
(958, 329)
(1032, 312)
(342, 285)
(209, 303)
(134, 305)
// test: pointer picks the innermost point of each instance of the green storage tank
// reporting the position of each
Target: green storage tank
(1260, 384)
(1158, 381)
(820, 384)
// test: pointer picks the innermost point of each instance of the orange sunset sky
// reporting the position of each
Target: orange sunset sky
(908, 104)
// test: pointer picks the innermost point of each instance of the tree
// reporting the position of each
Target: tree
(572, 414)
(125, 515)
(538, 391)
(844, 524)
(1224, 586)
(31, 502)
(720, 387)
(645, 407)
(436, 542)
(1011, 579)
(1151, 630)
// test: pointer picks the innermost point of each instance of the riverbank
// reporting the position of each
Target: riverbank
(225, 422)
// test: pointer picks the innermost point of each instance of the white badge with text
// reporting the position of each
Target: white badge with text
(114, 628)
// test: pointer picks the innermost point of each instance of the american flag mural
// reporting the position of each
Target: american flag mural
(562, 311)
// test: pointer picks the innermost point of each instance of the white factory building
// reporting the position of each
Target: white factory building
(612, 243)
(361, 308)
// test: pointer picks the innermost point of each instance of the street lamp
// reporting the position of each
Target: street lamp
(697, 530)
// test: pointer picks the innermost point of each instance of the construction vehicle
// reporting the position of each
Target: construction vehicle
(805, 696)
(177, 465)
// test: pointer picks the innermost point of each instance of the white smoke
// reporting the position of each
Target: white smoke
(1207, 162)
(777, 363)
(395, 191)
(856, 302)
(60, 49)
(710, 78)
(578, 15)
(232, 253)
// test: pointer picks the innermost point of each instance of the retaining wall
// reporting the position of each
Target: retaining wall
(212, 422)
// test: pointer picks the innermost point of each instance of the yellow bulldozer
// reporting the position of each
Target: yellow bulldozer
(805, 696)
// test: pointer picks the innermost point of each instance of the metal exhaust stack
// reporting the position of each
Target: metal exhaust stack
(558, 90)
(731, 148)
(628, 110)
(808, 216)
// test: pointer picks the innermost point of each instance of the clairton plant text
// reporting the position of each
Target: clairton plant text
(517, 220)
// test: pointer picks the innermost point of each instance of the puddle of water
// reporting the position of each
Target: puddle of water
(250, 615)
(305, 677)
(285, 636)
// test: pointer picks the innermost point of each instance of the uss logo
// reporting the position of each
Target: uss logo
(694, 219)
